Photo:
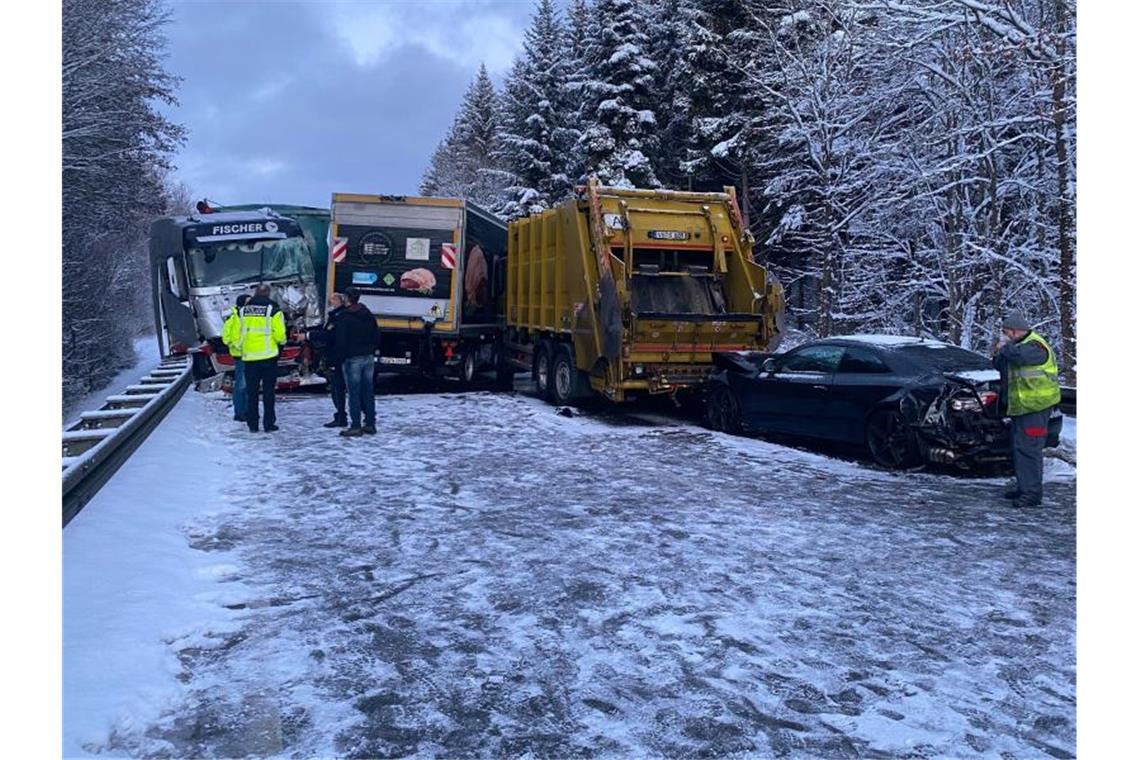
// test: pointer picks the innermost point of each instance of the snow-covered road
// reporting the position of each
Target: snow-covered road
(486, 577)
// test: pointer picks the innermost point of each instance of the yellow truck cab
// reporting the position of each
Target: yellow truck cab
(627, 292)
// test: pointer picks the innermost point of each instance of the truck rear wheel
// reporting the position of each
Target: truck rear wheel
(542, 370)
(564, 378)
(468, 364)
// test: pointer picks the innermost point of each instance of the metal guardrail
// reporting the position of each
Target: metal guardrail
(95, 447)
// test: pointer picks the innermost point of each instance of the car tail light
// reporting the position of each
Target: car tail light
(988, 397)
(225, 359)
(965, 405)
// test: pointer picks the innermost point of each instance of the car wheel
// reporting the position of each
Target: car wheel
(890, 440)
(722, 410)
(563, 378)
(542, 370)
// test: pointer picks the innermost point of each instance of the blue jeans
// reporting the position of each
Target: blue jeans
(239, 390)
(359, 376)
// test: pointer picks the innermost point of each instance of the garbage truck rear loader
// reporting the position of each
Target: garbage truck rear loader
(631, 292)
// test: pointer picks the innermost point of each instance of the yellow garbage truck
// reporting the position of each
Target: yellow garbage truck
(624, 292)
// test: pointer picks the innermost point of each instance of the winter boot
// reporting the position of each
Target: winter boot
(338, 420)
(1026, 502)
(369, 429)
(1012, 493)
(352, 432)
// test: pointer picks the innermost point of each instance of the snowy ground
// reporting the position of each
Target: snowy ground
(486, 577)
(147, 358)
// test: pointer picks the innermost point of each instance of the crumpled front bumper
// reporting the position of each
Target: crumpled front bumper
(970, 439)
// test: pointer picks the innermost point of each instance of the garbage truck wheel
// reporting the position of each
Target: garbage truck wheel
(542, 370)
(564, 384)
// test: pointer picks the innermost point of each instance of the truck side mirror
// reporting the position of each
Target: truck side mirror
(769, 365)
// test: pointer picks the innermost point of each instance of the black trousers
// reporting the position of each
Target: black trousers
(261, 375)
(337, 389)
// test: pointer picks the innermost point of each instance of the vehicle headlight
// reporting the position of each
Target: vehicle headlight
(965, 405)
(639, 369)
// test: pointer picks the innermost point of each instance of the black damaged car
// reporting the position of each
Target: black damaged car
(906, 400)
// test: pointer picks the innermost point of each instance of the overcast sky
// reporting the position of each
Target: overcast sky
(287, 102)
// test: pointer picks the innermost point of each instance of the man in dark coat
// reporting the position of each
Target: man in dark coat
(357, 337)
(325, 339)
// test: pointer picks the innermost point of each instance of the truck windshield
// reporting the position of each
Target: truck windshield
(249, 261)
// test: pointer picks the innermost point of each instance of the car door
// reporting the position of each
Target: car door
(794, 398)
(862, 379)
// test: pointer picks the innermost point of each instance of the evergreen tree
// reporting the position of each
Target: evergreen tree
(465, 163)
(580, 27)
(527, 139)
(619, 119)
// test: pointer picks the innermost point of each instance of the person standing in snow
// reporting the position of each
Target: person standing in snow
(1029, 391)
(325, 338)
(231, 330)
(262, 335)
(356, 337)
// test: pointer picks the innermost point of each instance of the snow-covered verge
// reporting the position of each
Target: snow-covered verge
(488, 577)
(147, 358)
(132, 584)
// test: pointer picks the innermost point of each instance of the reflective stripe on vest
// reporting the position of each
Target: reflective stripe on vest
(1034, 388)
(265, 329)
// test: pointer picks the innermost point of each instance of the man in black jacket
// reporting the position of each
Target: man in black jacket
(356, 338)
(325, 339)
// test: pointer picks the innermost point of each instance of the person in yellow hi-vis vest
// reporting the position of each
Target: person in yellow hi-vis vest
(262, 333)
(231, 330)
(1029, 391)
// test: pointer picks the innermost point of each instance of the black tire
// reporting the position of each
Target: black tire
(468, 366)
(542, 370)
(201, 367)
(504, 370)
(564, 380)
(890, 440)
(722, 410)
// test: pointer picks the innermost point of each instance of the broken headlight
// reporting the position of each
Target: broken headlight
(966, 405)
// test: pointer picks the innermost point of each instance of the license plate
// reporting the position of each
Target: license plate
(394, 360)
(668, 235)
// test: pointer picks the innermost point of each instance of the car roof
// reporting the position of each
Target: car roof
(885, 341)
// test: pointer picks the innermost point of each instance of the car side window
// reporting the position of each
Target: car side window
(813, 359)
(860, 361)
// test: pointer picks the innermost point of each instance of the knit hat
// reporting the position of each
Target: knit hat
(1016, 321)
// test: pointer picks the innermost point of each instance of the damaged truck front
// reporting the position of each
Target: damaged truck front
(201, 263)
(624, 292)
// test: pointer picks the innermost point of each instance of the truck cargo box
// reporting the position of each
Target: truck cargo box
(426, 267)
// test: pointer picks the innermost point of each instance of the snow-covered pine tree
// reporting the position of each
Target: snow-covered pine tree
(673, 79)
(527, 139)
(580, 26)
(464, 164)
(619, 114)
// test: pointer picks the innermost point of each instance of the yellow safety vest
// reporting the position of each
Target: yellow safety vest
(231, 333)
(1034, 388)
(262, 332)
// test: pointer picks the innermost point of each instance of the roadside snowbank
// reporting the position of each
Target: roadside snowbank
(132, 584)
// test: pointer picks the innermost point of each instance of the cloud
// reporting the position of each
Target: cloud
(465, 34)
(271, 88)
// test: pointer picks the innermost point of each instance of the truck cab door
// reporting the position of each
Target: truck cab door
(177, 317)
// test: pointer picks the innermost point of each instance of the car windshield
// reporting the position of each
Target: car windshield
(248, 261)
(944, 358)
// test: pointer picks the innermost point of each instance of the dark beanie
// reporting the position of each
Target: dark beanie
(1016, 321)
